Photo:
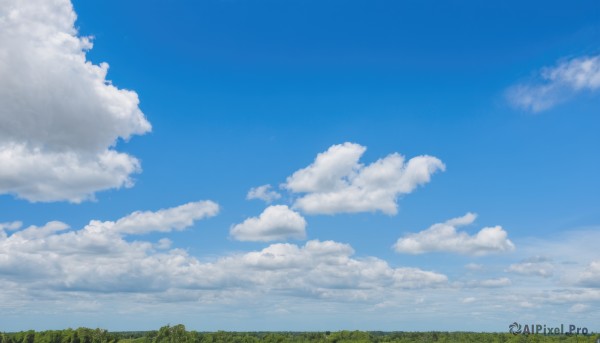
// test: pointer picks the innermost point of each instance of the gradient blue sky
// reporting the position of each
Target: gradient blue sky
(246, 93)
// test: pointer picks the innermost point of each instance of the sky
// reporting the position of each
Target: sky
(299, 165)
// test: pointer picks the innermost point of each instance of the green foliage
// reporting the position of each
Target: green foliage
(178, 334)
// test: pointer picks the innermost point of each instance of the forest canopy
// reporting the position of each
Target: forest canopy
(179, 334)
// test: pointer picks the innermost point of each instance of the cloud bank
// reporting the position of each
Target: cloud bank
(98, 258)
(101, 258)
(60, 118)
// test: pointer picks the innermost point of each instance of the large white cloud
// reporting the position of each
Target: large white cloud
(60, 117)
(443, 237)
(99, 258)
(276, 222)
(557, 84)
(321, 265)
(336, 182)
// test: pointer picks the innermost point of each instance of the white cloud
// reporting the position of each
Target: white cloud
(536, 266)
(98, 258)
(60, 118)
(443, 237)
(50, 267)
(579, 308)
(10, 226)
(557, 84)
(264, 193)
(528, 304)
(468, 300)
(275, 223)
(329, 169)
(320, 265)
(164, 244)
(38, 175)
(474, 266)
(571, 295)
(490, 283)
(165, 220)
(590, 277)
(566, 259)
(336, 182)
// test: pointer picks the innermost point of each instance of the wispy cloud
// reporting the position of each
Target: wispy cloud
(557, 84)
(489, 283)
(590, 277)
(264, 193)
(165, 220)
(535, 266)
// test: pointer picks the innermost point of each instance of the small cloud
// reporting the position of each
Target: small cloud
(557, 84)
(443, 237)
(474, 266)
(275, 223)
(527, 304)
(385, 304)
(579, 308)
(263, 193)
(490, 283)
(11, 226)
(590, 277)
(164, 244)
(419, 300)
(165, 220)
(468, 300)
(536, 266)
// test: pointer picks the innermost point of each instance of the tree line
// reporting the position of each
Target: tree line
(178, 334)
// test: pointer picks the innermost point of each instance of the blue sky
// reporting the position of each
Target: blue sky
(425, 166)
